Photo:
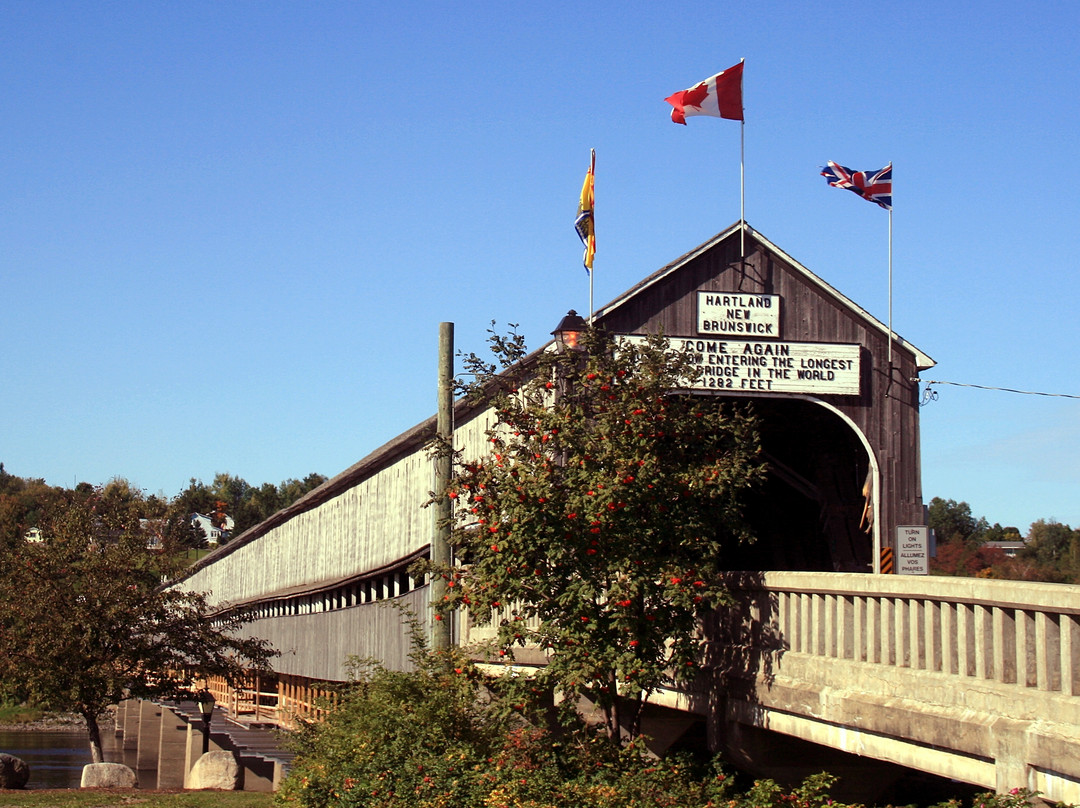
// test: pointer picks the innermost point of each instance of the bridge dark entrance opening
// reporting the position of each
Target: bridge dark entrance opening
(809, 513)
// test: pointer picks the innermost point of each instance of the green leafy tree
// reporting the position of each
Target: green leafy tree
(24, 504)
(246, 504)
(263, 502)
(596, 528)
(291, 490)
(998, 533)
(230, 490)
(85, 621)
(1049, 544)
(952, 521)
(196, 498)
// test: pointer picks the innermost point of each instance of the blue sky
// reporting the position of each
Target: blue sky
(229, 230)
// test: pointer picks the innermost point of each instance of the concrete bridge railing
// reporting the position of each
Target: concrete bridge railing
(967, 678)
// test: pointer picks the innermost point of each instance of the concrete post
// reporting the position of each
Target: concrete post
(193, 746)
(1011, 768)
(130, 729)
(121, 713)
(149, 736)
(172, 743)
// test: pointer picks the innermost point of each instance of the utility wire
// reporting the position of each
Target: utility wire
(931, 395)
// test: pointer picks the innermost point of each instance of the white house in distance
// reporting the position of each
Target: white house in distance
(212, 533)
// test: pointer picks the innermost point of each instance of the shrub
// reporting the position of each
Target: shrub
(1015, 798)
(439, 737)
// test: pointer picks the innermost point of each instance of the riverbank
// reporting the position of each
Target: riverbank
(35, 721)
(46, 723)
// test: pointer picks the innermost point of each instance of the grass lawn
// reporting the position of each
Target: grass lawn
(107, 798)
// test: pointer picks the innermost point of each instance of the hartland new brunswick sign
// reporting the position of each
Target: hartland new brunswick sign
(766, 364)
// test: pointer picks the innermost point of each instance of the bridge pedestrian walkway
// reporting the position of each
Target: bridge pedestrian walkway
(255, 739)
(166, 738)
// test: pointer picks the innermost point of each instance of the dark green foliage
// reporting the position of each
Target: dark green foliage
(436, 737)
(84, 620)
(952, 521)
(24, 504)
(1050, 543)
(248, 505)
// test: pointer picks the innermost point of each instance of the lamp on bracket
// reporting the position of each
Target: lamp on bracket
(569, 330)
(205, 702)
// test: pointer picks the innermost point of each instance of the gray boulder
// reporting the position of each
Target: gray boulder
(218, 770)
(108, 775)
(13, 771)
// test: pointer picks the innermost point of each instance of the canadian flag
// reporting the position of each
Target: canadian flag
(719, 96)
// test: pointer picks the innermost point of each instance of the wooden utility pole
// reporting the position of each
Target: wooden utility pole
(440, 542)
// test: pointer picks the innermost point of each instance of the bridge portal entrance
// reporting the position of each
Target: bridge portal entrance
(813, 512)
(836, 389)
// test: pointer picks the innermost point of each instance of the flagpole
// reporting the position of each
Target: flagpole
(742, 177)
(742, 190)
(590, 298)
(890, 292)
(592, 170)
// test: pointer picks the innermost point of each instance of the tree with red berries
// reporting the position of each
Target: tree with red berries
(597, 525)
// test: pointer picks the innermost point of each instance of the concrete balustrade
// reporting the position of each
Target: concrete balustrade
(967, 678)
(1025, 634)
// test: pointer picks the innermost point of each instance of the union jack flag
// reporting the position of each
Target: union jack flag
(874, 186)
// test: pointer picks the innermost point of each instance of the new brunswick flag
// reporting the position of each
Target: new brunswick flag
(585, 224)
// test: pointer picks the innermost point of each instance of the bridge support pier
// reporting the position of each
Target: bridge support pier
(128, 724)
(171, 761)
(148, 736)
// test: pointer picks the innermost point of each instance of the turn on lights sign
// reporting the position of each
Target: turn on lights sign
(912, 550)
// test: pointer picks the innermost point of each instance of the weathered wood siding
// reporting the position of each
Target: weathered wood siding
(373, 523)
(318, 645)
(368, 526)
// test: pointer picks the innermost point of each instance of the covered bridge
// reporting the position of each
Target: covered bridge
(840, 429)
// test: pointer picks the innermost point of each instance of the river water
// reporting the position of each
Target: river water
(55, 758)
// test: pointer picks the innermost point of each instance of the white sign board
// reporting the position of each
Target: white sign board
(912, 550)
(730, 314)
(776, 367)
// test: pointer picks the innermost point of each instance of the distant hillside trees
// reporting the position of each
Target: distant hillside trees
(1051, 552)
(952, 521)
(248, 505)
(24, 504)
(28, 504)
